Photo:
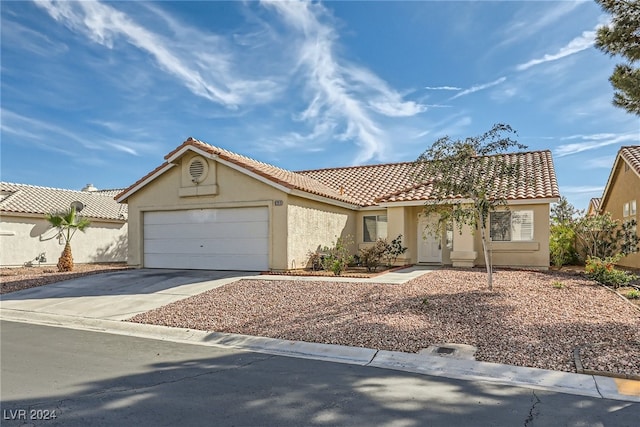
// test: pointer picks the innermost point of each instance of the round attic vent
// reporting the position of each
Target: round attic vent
(197, 169)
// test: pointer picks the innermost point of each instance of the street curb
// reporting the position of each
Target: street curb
(325, 352)
(541, 379)
(581, 370)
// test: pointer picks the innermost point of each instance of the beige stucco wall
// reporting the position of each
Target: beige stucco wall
(624, 187)
(313, 225)
(523, 254)
(234, 189)
(23, 237)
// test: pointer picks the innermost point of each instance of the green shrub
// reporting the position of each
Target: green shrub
(558, 285)
(338, 257)
(604, 271)
(562, 245)
(633, 294)
(393, 250)
(372, 255)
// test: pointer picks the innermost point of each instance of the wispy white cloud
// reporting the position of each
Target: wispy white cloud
(582, 189)
(478, 88)
(604, 162)
(594, 141)
(578, 44)
(531, 20)
(52, 137)
(18, 35)
(207, 73)
(442, 88)
(342, 95)
(42, 131)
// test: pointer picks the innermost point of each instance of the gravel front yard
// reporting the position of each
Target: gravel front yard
(525, 321)
(19, 278)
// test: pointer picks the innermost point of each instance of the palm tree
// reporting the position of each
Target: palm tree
(67, 222)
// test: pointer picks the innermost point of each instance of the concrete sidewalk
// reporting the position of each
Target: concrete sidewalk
(82, 304)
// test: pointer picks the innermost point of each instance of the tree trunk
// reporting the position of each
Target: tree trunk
(65, 262)
(486, 259)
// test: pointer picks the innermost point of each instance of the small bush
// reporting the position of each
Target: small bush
(315, 260)
(338, 257)
(372, 255)
(603, 271)
(562, 245)
(393, 250)
(633, 294)
(558, 285)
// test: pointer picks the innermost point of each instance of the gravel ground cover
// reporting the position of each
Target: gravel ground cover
(19, 278)
(527, 320)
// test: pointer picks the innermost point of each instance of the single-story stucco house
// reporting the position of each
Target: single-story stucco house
(209, 208)
(622, 193)
(26, 236)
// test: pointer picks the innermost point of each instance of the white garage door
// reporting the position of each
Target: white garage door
(207, 239)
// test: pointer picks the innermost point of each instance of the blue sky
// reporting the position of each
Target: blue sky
(99, 92)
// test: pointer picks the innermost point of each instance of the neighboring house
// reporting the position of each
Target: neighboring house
(209, 208)
(594, 206)
(26, 236)
(622, 193)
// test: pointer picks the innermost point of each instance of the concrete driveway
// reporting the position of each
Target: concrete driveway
(118, 295)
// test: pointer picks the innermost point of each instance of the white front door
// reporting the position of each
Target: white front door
(429, 244)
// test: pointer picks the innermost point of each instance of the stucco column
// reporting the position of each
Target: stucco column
(464, 253)
(396, 225)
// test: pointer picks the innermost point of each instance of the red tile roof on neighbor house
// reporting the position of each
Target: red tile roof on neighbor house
(373, 184)
(631, 154)
(31, 199)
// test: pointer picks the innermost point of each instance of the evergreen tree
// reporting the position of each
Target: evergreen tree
(622, 37)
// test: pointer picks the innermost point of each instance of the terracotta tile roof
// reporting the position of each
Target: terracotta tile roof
(395, 182)
(367, 184)
(31, 199)
(537, 165)
(275, 174)
(370, 185)
(631, 154)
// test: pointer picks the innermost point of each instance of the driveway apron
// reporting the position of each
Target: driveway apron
(117, 295)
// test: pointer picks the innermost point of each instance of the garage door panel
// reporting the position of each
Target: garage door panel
(205, 262)
(206, 231)
(207, 246)
(223, 239)
(204, 216)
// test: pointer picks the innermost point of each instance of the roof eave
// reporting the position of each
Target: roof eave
(124, 196)
(529, 201)
(605, 193)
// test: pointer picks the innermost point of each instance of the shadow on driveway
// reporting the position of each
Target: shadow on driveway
(126, 282)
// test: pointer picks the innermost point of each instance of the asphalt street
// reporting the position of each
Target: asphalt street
(85, 378)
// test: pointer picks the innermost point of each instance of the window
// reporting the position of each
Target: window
(625, 210)
(374, 227)
(632, 210)
(511, 226)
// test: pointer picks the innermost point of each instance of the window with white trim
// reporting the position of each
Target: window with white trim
(374, 227)
(511, 226)
(629, 212)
